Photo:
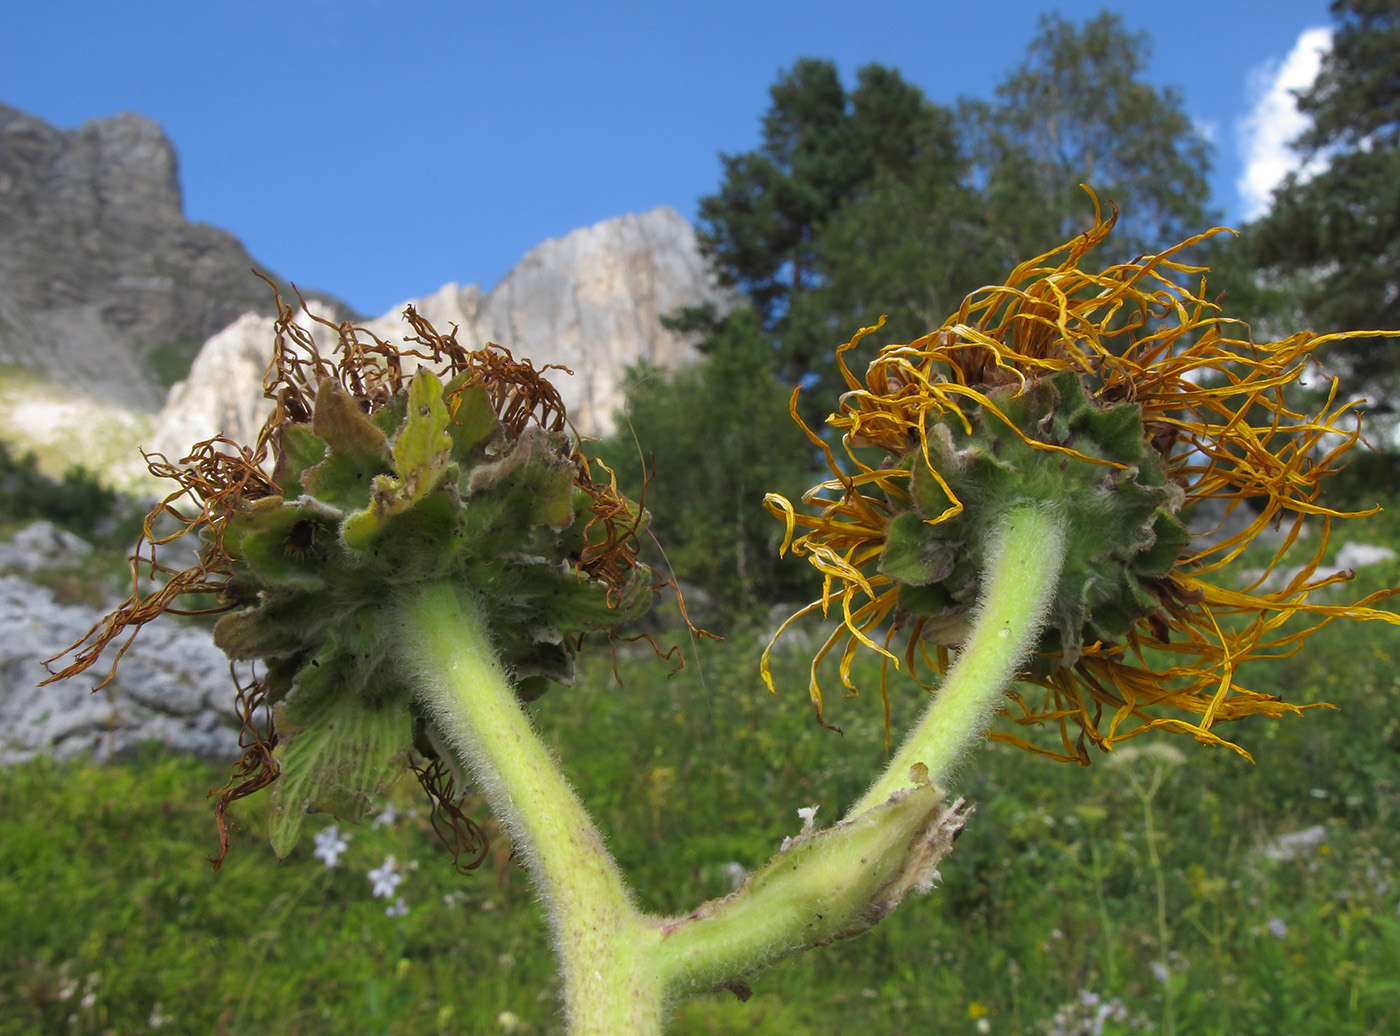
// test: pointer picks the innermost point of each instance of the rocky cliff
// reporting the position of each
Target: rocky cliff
(102, 279)
(173, 688)
(591, 301)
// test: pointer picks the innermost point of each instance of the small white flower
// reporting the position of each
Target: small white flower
(984, 1025)
(1277, 928)
(396, 909)
(330, 845)
(509, 1021)
(388, 815)
(90, 990)
(1159, 971)
(386, 878)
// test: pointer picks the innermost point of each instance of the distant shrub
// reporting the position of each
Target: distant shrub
(77, 502)
(1367, 479)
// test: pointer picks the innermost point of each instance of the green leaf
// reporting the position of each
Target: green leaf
(252, 633)
(422, 456)
(414, 543)
(266, 513)
(389, 418)
(534, 482)
(298, 448)
(474, 419)
(358, 451)
(930, 498)
(282, 624)
(284, 543)
(421, 445)
(332, 761)
(339, 420)
(914, 553)
(1172, 538)
(924, 600)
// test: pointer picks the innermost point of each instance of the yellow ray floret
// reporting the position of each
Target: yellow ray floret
(1217, 416)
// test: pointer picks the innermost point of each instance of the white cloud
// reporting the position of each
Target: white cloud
(1274, 120)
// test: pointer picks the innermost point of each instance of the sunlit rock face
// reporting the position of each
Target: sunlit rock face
(591, 301)
(107, 289)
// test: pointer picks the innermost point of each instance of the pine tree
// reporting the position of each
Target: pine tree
(822, 149)
(1335, 236)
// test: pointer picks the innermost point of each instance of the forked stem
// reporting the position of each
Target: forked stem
(600, 937)
(620, 967)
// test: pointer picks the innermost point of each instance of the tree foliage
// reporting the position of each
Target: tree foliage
(822, 149)
(908, 247)
(78, 502)
(874, 201)
(1077, 111)
(707, 442)
(1334, 237)
(879, 201)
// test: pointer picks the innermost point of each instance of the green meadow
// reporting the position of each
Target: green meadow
(62, 429)
(1156, 892)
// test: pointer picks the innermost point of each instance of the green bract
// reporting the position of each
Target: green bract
(1118, 508)
(431, 487)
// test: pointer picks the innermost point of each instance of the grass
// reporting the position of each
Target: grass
(1129, 897)
(65, 429)
(172, 361)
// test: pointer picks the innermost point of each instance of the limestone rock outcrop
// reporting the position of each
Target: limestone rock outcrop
(173, 687)
(591, 301)
(101, 276)
(223, 394)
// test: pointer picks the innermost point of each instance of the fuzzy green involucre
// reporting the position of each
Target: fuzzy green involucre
(432, 486)
(1120, 516)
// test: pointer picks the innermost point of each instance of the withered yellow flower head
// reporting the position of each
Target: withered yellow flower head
(1121, 398)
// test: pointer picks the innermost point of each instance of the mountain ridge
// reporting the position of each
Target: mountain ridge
(105, 286)
(590, 301)
(103, 281)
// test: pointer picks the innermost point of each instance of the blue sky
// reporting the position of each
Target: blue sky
(377, 149)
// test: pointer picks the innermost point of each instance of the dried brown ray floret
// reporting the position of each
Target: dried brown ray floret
(380, 465)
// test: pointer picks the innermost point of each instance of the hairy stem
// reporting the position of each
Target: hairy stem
(1025, 554)
(601, 939)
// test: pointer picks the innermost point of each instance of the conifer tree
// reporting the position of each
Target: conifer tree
(1335, 236)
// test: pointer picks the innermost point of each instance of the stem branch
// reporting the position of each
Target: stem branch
(1024, 556)
(601, 939)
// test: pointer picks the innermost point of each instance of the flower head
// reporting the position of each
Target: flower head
(381, 468)
(386, 816)
(330, 845)
(386, 878)
(1123, 398)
